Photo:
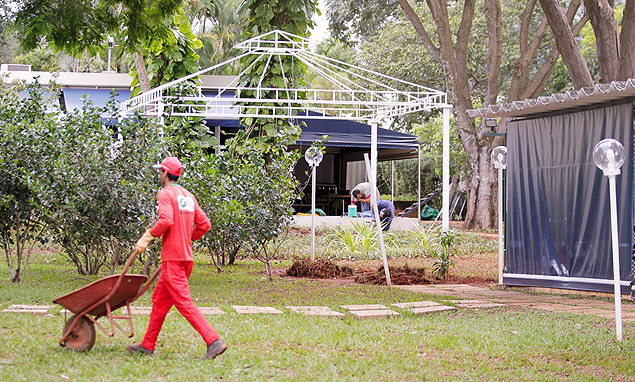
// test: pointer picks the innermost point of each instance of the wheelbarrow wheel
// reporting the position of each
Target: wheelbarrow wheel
(82, 338)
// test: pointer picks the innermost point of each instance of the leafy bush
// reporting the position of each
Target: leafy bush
(218, 182)
(90, 183)
(248, 200)
(21, 122)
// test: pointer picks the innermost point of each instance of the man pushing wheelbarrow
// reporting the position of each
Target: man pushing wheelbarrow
(181, 221)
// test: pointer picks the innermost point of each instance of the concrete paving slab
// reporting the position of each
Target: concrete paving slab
(373, 313)
(432, 309)
(461, 288)
(312, 310)
(422, 289)
(364, 307)
(32, 309)
(479, 306)
(468, 301)
(245, 309)
(415, 304)
(211, 310)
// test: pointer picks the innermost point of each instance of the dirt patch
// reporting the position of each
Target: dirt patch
(320, 269)
(404, 275)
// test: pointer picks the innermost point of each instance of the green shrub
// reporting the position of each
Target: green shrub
(21, 125)
(89, 182)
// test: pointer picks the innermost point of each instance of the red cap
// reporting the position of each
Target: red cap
(171, 165)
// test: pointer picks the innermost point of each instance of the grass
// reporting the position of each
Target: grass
(488, 344)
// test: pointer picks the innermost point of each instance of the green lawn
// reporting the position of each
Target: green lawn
(488, 344)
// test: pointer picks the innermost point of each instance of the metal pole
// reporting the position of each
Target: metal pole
(418, 183)
(373, 151)
(380, 234)
(616, 259)
(500, 226)
(392, 181)
(445, 210)
(313, 214)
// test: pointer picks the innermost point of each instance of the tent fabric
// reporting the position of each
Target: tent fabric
(342, 133)
(74, 98)
(558, 217)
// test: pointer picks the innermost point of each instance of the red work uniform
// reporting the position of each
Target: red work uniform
(181, 220)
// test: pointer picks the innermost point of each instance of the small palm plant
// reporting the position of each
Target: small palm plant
(443, 261)
(423, 240)
(358, 240)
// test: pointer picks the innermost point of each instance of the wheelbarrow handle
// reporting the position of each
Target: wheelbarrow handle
(130, 261)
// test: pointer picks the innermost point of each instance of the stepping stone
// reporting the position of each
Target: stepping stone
(244, 309)
(475, 304)
(353, 308)
(416, 304)
(432, 309)
(373, 313)
(422, 289)
(480, 306)
(33, 309)
(211, 310)
(461, 288)
(315, 311)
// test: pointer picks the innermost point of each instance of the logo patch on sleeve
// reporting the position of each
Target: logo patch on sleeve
(186, 203)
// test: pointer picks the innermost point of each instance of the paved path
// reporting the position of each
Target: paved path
(549, 302)
(461, 296)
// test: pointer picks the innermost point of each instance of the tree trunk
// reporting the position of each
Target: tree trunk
(142, 72)
(453, 57)
(571, 54)
(627, 42)
(602, 18)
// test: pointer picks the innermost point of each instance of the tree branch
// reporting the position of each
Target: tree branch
(627, 42)
(494, 49)
(571, 54)
(543, 74)
(415, 20)
(602, 18)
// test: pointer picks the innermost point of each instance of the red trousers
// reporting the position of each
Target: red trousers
(173, 289)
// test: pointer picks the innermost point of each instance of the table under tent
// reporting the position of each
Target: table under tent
(557, 215)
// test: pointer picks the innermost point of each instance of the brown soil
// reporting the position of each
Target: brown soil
(469, 270)
(320, 269)
(398, 275)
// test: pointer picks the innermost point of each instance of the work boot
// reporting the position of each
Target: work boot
(138, 349)
(215, 349)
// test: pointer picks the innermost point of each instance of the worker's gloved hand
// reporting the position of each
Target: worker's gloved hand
(144, 241)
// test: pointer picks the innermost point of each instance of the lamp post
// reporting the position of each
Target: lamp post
(499, 159)
(313, 157)
(609, 156)
(111, 44)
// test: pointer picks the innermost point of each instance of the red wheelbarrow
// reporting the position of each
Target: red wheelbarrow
(99, 299)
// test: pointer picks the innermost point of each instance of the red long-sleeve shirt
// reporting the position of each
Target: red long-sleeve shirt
(181, 220)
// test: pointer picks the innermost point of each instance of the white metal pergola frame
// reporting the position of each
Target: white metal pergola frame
(358, 94)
